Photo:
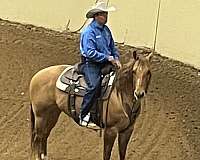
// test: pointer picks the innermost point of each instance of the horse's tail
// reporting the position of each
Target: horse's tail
(32, 124)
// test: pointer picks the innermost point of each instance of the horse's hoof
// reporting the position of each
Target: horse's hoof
(43, 157)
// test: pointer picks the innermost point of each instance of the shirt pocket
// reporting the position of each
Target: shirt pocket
(99, 42)
(107, 38)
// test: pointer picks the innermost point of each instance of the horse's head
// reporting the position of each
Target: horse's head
(141, 75)
(136, 74)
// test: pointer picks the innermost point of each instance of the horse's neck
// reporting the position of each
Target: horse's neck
(124, 88)
(124, 85)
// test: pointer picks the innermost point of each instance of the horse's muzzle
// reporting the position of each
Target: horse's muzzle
(139, 95)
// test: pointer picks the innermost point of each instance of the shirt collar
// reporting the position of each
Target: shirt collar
(97, 25)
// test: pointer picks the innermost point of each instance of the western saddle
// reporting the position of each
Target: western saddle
(72, 82)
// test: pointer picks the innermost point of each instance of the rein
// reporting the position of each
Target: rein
(109, 97)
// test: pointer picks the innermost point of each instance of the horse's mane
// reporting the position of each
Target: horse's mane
(124, 77)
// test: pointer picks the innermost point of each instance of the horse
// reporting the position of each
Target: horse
(123, 107)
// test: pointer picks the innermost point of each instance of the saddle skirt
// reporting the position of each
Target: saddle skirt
(71, 82)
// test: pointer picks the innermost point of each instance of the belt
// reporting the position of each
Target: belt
(86, 60)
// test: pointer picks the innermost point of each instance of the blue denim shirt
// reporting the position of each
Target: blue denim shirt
(97, 44)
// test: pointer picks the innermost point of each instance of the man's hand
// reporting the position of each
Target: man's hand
(110, 58)
(115, 62)
(118, 64)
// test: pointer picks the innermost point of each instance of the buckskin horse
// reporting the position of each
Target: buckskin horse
(47, 102)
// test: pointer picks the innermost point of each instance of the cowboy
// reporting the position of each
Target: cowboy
(97, 48)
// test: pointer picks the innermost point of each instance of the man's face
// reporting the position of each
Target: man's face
(101, 17)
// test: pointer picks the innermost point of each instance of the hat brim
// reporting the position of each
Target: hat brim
(92, 12)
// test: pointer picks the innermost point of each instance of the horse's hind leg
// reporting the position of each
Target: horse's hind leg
(44, 122)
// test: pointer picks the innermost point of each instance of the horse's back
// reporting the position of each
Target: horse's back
(48, 73)
(45, 81)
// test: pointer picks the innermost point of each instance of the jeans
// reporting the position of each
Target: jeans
(92, 74)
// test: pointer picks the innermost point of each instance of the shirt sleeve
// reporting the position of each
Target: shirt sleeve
(89, 48)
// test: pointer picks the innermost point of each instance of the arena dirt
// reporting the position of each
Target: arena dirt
(168, 127)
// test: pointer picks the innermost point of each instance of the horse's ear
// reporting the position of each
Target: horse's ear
(135, 56)
(149, 56)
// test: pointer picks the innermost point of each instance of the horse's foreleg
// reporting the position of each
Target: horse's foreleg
(123, 140)
(109, 139)
(44, 146)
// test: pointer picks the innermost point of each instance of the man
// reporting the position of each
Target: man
(97, 49)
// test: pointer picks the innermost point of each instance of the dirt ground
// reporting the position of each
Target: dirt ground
(168, 127)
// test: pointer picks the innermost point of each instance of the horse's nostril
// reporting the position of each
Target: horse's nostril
(142, 94)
